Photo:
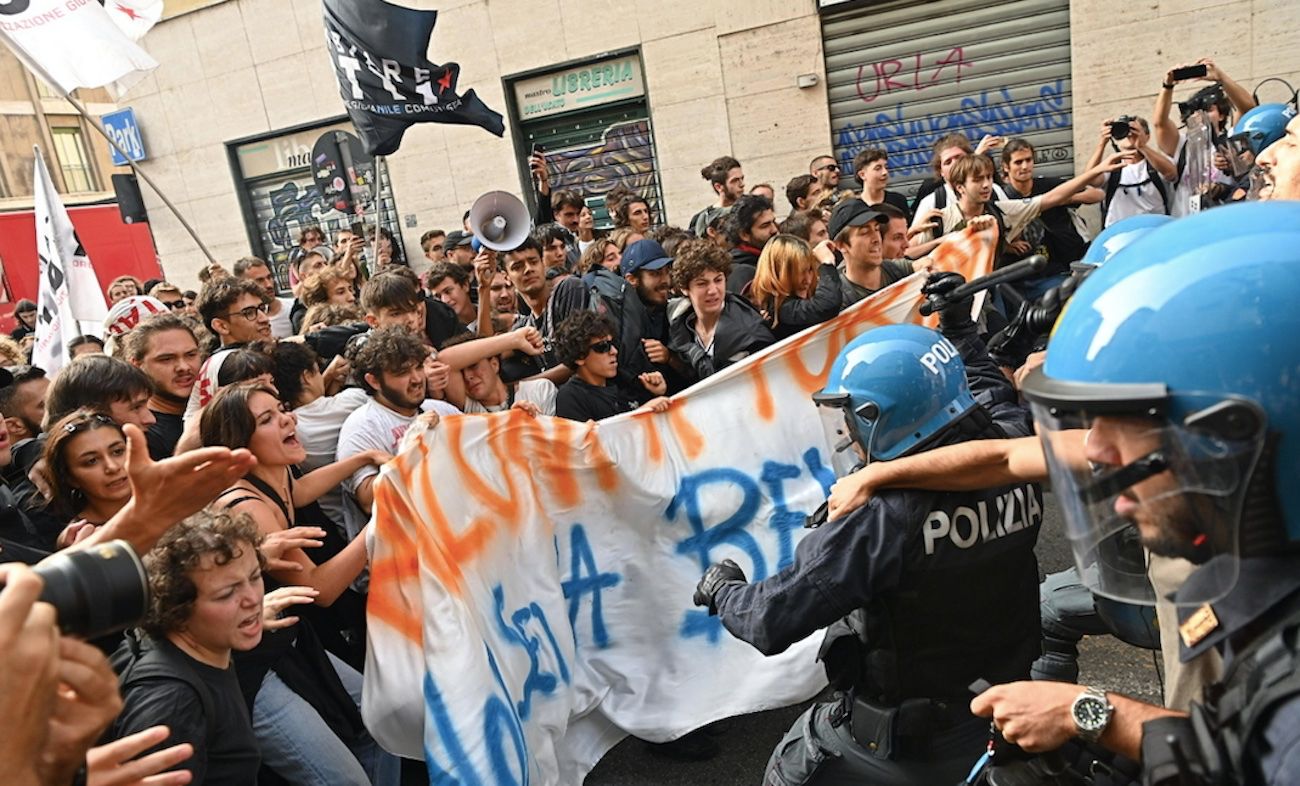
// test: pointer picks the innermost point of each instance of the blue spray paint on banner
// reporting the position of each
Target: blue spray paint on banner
(908, 141)
(500, 722)
(517, 633)
(733, 530)
(586, 579)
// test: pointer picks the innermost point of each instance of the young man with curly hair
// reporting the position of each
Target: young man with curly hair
(584, 342)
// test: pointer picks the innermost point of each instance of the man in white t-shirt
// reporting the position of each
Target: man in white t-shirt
(256, 270)
(948, 150)
(485, 391)
(391, 366)
(1146, 181)
(236, 311)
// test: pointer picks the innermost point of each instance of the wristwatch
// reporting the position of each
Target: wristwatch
(1091, 713)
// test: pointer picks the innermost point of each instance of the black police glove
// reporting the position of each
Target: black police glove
(954, 316)
(719, 575)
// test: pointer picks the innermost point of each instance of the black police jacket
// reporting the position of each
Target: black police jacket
(941, 586)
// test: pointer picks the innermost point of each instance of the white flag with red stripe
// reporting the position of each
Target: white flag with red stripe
(74, 43)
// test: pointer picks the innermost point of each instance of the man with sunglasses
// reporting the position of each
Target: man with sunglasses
(827, 171)
(584, 342)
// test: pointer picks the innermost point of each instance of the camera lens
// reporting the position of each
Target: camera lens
(1120, 129)
(96, 591)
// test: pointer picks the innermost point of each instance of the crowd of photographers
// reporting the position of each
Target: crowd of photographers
(232, 437)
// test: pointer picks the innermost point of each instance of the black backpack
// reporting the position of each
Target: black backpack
(136, 664)
(1153, 177)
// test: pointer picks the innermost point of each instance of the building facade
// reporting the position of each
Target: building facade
(645, 94)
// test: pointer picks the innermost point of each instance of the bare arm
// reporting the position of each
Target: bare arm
(485, 265)
(1098, 153)
(967, 466)
(526, 340)
(557, 374)
(314, 484)
(1036, 716)
(1088, 196)
(1241, 98)
(1163, 128)
(1162, 163)
(329, 578)
(364, 494)
(1063, 193)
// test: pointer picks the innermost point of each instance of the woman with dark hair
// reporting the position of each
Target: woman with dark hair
(206, 602)
(86, 456)
(795, 286)
(389, 250)
(307, 730)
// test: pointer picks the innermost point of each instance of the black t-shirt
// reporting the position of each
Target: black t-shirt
(163, 435)
(1058, 240)
(225, 749)
(891, 270)
(899, 201)
(577, 400)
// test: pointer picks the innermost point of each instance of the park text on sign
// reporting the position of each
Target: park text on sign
(580, 87)
(125, 132)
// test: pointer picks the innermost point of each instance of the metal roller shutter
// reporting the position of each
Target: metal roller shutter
(902, 74)
(591, 152)
(288, 202)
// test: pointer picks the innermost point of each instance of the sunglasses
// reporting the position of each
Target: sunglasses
(251, 312)
(835, 167)
(174, 304)
(601, 347)
(89, 421)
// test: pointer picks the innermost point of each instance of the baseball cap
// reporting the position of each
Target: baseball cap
(457, 238)
(644, 255)
(853, 213)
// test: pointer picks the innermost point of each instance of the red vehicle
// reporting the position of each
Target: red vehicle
(115, 249)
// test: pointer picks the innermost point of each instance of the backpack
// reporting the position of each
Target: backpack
(613, 297)
(136, 665)
(1153, 177)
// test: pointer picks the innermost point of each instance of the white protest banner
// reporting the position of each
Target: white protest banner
(72, 44)
(69, 302)
(531, 579)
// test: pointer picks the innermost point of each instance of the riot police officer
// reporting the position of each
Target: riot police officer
(1180, 358)
(928, 591)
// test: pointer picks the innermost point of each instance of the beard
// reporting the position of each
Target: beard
(398, 397)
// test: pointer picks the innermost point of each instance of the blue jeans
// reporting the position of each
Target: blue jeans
(302, 749)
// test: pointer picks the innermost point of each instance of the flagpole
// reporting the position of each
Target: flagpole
(95, 124)
(379, 216)
(35, 68)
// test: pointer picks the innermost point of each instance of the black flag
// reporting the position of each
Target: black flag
(385, 77)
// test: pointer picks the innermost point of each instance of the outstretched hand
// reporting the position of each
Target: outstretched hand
(165, 492)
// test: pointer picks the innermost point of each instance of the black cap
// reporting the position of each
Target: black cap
(457, 238)
(853, 213)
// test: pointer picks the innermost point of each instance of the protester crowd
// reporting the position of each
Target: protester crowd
(234, 435)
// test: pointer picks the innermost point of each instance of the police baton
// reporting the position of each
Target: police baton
(1013, 272)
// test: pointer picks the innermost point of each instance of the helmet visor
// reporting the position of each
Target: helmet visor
(1132, 482)
(846, 434)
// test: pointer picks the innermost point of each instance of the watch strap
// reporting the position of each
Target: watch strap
(1095, 694)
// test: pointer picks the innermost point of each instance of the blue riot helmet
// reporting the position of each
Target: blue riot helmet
(1263, 125)
(890, 392)
(1169, 402)
(1115, 237)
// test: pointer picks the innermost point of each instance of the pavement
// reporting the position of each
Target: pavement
(747, 741)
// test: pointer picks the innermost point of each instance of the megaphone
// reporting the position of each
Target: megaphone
(499, 221)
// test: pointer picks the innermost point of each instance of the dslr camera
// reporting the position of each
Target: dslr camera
(1121, 127)
(96, 591)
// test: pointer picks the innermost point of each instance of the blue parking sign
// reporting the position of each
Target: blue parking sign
(121, 126)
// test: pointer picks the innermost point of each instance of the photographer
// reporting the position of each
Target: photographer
(1144, 184)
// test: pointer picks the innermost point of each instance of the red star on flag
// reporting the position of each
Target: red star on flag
(128, 11)
(444, 84)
